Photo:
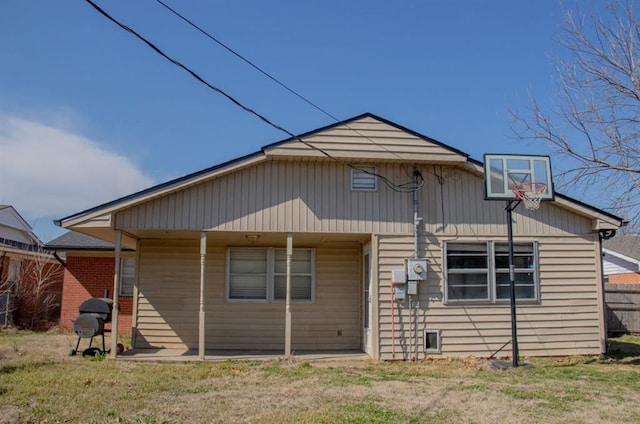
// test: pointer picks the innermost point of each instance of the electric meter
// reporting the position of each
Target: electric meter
(417, 269)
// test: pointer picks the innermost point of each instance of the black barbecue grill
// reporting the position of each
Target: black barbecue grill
(94, 314)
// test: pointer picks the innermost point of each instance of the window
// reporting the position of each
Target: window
(364, 179)
(479, 272)
(467, 272)
(260, 274)
(127, 276)
(524, 267)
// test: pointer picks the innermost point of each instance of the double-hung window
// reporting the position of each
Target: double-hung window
(524, 264)
(260, 274)
(467, 272)
(479, 272)
(127, 276)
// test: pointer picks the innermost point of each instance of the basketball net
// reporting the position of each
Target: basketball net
(530, 193)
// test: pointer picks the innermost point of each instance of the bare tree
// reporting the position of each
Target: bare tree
(595, 126)
(35, 294)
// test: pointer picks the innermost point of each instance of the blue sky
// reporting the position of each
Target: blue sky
(88, 113)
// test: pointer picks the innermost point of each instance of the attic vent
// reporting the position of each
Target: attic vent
(364, 179)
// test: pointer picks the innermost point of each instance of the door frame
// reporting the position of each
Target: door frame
(367, 299)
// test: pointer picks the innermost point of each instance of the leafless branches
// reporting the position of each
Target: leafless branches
(595, 126)
(34, 295)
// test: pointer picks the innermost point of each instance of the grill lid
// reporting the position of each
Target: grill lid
(98, 306)
(88, 325)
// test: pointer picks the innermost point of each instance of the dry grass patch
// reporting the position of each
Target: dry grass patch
(40, 383)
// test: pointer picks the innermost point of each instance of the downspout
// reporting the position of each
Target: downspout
(59, 259)
(604, 235)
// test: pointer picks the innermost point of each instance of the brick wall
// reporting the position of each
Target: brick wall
(86, 277)
(627, 278)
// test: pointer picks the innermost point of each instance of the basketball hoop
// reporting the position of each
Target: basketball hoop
(530, 193)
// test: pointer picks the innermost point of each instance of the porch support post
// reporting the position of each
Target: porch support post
(201, 323)
(116, 293)
(287, 321)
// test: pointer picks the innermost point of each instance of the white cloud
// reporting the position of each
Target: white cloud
(47, 171)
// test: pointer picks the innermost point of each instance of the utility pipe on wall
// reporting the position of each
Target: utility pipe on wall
(416, 241)
(393, 324)
(201, 317)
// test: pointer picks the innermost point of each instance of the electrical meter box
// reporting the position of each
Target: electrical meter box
(417, 269)
(399, 292)
(398, 276)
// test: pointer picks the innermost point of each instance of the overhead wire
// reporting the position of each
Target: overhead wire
(268, 75)
(389, 183)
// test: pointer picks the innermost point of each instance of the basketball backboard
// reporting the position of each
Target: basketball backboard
(503, 171)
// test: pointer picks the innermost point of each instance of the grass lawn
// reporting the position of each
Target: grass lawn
(39, 383)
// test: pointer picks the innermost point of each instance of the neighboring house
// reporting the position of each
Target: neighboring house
(30, 280)
(211, 257)
(621, 265)
(621, 260)
(89, 265)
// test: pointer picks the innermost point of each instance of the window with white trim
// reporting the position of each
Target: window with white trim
(260, 274)
(479, 272)
(524, 263)
(363, 178)
(127, 276)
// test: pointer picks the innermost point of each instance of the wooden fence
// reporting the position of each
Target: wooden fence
(623, 308)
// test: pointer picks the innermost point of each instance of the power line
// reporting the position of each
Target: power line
(395, 187)
(271, 77)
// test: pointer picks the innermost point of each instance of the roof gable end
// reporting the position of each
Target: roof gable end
(364, 138)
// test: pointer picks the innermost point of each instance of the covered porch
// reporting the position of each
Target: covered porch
(214, 295)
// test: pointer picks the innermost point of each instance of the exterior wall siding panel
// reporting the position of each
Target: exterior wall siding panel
(565, 321)
(168, 302)
(283, 196)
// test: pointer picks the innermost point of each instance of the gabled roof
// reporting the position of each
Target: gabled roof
(383, 150)
(75, 241)
(11, 218)
(361, 139)
(628, 246)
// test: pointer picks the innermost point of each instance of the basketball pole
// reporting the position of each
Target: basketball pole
(512, 283)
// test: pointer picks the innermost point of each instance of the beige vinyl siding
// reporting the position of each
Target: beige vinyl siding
(564, 322)
(316, 197)
(368, 139)
(168, 301)
(280, 197)
(452, 202)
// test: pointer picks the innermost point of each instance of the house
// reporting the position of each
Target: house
(88, 272)
(30, 277)
(621, 260)
(621, 265)
(213, 260)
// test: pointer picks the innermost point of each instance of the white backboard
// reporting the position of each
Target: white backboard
(503, 171)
